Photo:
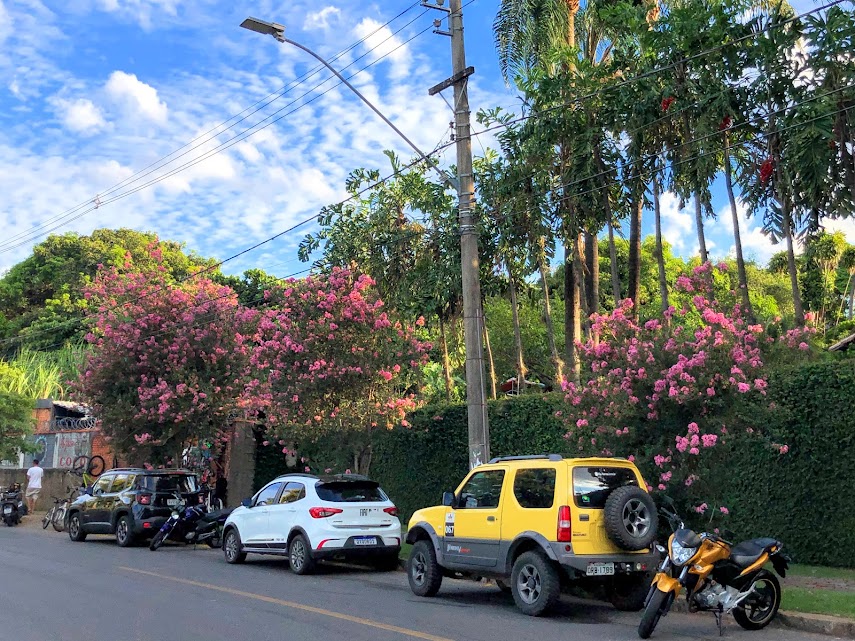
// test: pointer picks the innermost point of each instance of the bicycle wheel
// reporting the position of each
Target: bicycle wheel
(96, 466)
(47, 518)
(58, 520)
(80, 464)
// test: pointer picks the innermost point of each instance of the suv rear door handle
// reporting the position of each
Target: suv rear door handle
(491, 518)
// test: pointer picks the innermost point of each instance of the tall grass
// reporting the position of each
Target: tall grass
(36, 374)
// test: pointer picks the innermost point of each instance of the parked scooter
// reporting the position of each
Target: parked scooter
(718, 577)
(12, 504)
(192, 524)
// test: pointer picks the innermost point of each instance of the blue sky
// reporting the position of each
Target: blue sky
(93, 91)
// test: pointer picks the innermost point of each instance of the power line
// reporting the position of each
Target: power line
(252, 109)
(246, 133)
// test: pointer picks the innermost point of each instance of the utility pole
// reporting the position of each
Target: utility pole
(479, 433)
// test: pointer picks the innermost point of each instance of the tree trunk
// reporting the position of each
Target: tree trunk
(572, 313)
(851, 299)
(490, 362)
(699, 222)
(635, 251)
(520, 361)
(660, 253)
(791, 263)
(362, 460)
(557, 363)
(737, 236)
(592, 275)
(446, 362)
(614, 267)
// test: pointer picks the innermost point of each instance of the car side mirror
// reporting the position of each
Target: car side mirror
(448, 499)
(246, 502)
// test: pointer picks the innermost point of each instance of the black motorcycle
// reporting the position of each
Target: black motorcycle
(12, 505)
(192, 524)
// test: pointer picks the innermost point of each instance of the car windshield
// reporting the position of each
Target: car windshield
(350, 492)
(182, 483)
(593, 485)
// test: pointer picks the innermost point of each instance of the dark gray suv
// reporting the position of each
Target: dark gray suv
(131, 503)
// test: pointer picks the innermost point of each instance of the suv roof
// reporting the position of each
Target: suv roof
(552, 457)
(144, 472)
(327, 478)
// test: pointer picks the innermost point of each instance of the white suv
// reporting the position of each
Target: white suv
(308, 519)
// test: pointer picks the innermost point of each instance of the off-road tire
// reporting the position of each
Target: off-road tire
(630, 518)
(423, 571)
(535, 584)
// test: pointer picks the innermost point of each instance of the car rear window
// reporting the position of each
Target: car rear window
(350, 492)
(182, 483)
(592, 485)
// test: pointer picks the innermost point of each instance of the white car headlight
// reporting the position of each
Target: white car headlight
(681, 555)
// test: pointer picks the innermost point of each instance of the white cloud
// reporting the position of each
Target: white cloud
(136, 95)
(321, 19)
(81, 115)
(678, 226)
(756, 245)
(5, 23)
(141, 11)
(380, 41)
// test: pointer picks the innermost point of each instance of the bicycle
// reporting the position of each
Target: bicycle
(47, 519)
(93, 466)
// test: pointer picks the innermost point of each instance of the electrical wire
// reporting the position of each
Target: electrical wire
(252, 109)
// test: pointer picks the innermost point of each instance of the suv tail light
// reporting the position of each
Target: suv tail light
(393, 511)
(144, 499)
(324, 512)
(565, 534)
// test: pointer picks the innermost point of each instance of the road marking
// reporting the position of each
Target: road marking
(290, 604)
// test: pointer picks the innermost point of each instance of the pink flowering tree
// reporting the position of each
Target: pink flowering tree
(674, 394)
(167, 359)
(328, 359)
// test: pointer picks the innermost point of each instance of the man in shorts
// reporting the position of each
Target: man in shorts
(34, 485)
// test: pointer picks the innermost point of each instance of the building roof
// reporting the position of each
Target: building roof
(843, 345)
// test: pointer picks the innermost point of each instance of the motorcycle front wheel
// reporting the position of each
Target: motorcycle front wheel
(758, 610)
(652, 613)
(158, 540)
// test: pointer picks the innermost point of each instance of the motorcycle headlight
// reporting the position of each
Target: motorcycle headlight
(681, 555)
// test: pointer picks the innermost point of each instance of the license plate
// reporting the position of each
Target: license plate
(172, 502)
(600, 569)
(7, 509)
(365, 540)
(367, 511)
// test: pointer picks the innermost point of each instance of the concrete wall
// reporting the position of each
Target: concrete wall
(54, 483)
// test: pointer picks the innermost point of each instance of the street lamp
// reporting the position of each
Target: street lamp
(278, 31)
(479, 438)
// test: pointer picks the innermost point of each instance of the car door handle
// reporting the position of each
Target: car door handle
(491, 518)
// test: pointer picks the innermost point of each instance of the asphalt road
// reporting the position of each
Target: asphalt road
(54, 589)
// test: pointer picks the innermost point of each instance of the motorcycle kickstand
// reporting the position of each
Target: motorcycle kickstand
(718, 614)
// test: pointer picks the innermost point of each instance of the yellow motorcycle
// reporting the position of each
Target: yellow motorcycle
(718, 577)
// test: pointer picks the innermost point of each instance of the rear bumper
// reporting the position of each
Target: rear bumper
(629, 563)
(349, 549)
(148, 527)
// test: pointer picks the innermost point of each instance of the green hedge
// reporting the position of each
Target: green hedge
(805, 497)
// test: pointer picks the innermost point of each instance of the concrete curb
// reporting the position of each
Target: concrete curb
(801, 621)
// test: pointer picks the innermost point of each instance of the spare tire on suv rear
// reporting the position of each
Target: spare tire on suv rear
(630, 518)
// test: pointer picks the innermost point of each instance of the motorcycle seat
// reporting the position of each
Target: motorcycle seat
(216, 515)
(748, 552)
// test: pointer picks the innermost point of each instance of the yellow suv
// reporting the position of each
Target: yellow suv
(537, 523)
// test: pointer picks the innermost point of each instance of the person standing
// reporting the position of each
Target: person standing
(34, 485)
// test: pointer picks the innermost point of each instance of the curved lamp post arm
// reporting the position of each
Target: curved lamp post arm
(278, 32)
